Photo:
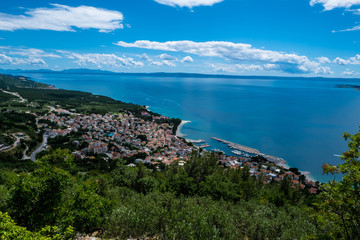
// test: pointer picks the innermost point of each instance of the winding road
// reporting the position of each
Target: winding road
(39, 149)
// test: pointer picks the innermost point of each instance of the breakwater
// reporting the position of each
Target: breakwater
(252, 151)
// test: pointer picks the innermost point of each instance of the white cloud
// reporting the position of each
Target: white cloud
(168, 57)
(242, 67)
(187, 59)
(356, 28)
(233, 52)
(341, 61)
(7, 60)
(63, 18)
(188, 3)
(145, 57)
(168, 63)
(265, 67)
(351, 61)
(323, 60)
(100, 60)
(349, 72)
(163, 63)
(31, 52)
(223, 68)
(323, 70)
(331, 4)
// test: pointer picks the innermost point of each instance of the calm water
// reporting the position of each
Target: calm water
(299, 120)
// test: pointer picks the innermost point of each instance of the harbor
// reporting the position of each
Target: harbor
(237, 146)
(248, 152)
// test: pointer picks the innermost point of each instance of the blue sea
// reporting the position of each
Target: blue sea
(300, 120)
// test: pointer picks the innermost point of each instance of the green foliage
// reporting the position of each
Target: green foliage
(198, 201)
(10, 231)
(50, 193)
(166, 217)
(339, 204)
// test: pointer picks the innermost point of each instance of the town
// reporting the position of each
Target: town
(123, 135)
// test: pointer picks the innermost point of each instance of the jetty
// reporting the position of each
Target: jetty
(237, 146)
(245, 151)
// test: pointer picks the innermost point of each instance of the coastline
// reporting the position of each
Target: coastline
(178, 130)
(282, 163)
(308, 176)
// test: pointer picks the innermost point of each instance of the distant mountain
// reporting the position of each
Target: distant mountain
(159, 74)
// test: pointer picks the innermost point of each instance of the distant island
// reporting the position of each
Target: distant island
(160, 74)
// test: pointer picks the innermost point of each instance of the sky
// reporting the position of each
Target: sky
(240, 37)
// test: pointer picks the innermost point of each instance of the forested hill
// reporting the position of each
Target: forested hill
(42, 95)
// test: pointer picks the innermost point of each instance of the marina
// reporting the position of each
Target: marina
(238, 146)
(245, 151)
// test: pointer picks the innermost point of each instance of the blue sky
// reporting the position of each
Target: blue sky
(244, 37)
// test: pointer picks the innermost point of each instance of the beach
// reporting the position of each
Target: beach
(178, 131)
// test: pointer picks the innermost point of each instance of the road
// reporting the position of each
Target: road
(40, 148)
(15, 94)
(17, 142)
(25, 156)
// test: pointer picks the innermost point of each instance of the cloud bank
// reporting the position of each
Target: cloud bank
(351, 61)
(63, 18)
(291, 63)
(7, 60)
(188, 3)
(331, 4)
(100, 60)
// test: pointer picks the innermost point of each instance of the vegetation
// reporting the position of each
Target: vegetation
(339, 204)
(43, 95)
(198, 201)
(12, 122)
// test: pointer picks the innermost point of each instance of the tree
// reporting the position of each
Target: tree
(9, 230)
(339, 203)
(35, 196)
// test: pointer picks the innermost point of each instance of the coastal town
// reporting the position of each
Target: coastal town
(152, 142)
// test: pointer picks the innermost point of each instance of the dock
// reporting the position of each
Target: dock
(237, 146)
(241, 149)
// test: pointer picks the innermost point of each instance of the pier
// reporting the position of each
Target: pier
(249, 150)
(238, 146)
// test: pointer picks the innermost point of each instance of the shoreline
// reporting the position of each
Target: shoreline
(308, 175)
(178, 130)
(282, 163)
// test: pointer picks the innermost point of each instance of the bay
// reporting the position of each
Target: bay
(300, 120)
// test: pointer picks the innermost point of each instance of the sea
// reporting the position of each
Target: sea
(299, 120)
